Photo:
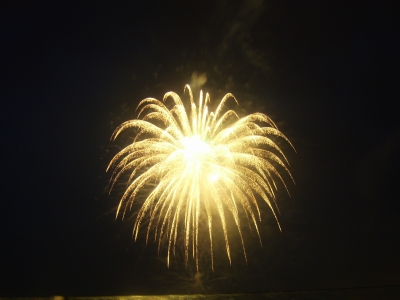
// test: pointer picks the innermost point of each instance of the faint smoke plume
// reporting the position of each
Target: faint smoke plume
(198, 80)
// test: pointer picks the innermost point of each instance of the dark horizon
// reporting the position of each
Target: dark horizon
(327, 75)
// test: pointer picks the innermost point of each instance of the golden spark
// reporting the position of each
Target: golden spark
(202, 165)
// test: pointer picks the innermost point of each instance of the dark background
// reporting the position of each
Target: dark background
(325, 71)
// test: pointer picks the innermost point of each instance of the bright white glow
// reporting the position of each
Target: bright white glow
(195, 148)
(214, 177)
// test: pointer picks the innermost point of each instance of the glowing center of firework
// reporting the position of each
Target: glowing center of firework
(194, 148)
(214, 177)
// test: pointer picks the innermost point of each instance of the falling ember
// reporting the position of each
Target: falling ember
(202, 164)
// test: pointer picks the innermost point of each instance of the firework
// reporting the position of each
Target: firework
(201, 165)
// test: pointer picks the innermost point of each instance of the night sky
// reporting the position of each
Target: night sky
(325, 71)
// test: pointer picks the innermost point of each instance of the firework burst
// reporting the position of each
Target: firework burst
(203, 165)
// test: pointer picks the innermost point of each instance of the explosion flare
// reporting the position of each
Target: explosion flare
(202, 165)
